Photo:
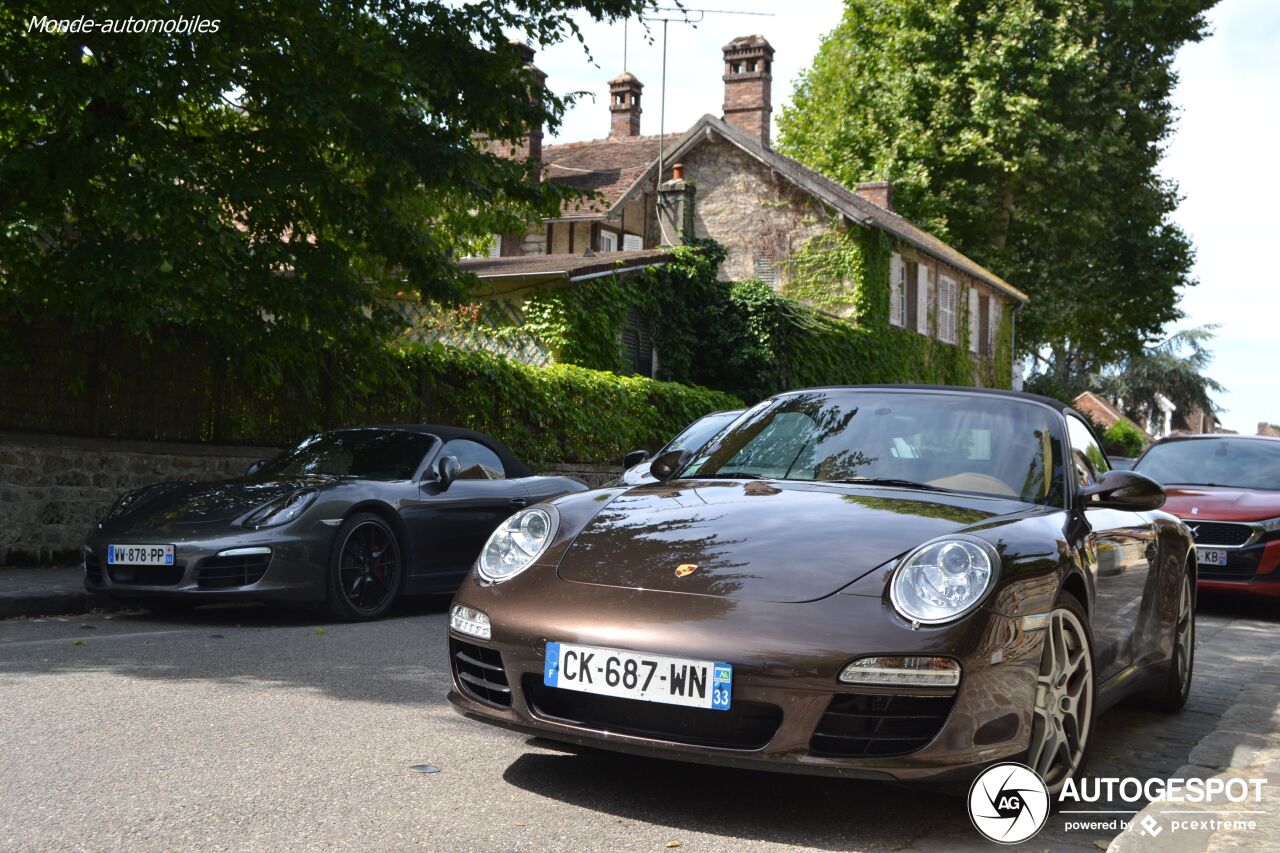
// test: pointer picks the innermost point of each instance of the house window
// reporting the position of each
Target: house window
(897, 291)
(764, 268)
(975, 327)
(637, 343)
(632, 242)
(608, 241)
(984, 325)
(946, 309)
(921, 301)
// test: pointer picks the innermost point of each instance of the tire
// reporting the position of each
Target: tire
(1064, 713)
(366, 569)
(1177, 686)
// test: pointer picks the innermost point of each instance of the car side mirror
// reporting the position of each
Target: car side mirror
(634, 458)
(255, 467)
(1126, 490)
(447, 471)
(665, 465)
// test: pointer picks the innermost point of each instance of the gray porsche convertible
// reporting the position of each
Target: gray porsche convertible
(351, 519)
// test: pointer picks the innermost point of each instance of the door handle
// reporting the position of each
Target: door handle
(519, 502)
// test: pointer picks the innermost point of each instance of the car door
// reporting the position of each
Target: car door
(461, 516)
(1120, 549)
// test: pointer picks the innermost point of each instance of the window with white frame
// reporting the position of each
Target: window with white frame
(922, 299)
(608, 241)
(975, 324)
(897, 291)
(947, 295)
(491, 249)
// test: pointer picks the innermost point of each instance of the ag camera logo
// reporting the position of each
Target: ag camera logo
(1008, 803)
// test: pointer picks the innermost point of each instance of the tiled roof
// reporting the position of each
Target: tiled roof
(1103, 413)
(607, 166)
(566, 267)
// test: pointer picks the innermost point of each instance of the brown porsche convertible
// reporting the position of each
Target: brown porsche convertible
(899, 583)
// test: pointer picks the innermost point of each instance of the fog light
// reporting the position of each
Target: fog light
(469, 621)
(894, 671)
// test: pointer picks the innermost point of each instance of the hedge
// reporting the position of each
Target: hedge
(176, 388)
(549, 414)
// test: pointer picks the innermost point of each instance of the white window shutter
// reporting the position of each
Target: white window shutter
(993, 324)
(922, 299)
(946, 309)
(897, 282)
(974, 324)
(632, 242)
(494, 249)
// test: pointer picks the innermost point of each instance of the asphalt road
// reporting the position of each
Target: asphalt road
(258, 729)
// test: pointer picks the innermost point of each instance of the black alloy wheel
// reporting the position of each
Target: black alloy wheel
(366, 569)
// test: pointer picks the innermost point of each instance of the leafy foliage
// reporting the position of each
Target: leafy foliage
(1026, 132)
(267, 182)
(1173, 368)
(1124, 439)
(747, 339)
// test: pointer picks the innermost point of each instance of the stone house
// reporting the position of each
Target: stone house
(721, 179)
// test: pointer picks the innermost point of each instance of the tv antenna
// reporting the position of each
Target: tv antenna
(680, 15)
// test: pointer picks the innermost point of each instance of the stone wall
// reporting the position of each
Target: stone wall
(749, 209)
(54, 488)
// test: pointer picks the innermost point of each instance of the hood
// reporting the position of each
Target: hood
(774, 541)
(183, 504)
(1221, 503)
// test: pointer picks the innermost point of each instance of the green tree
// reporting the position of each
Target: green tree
(1124, 439)
(266, 181)
(1174, 368)
(1026, 132)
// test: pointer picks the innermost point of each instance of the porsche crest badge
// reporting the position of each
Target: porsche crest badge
(685, 569)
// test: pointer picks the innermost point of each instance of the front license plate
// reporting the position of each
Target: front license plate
(1211, 557)
(636, 675)
(140, 555)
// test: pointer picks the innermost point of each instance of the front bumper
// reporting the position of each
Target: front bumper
(215, 568)
(1254, 569)
(785, 665)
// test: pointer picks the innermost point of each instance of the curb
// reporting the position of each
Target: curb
(48, 604)
(1244, 744)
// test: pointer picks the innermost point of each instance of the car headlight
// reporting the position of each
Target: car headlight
(943, 580)
(517, 542)
(1270, 525)
(281, 510)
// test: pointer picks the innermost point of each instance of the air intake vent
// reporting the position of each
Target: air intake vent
(480, 673)
(874, 724)
(227, 572)
(1222, 533)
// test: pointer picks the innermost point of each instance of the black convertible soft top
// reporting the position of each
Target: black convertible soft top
(513, 466)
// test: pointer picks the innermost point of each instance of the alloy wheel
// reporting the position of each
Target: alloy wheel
(1063, 712)
(1184, 635)
(369, 566)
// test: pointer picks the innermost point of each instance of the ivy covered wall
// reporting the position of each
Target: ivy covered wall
(747, 339)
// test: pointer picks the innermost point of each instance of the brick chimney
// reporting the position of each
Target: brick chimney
(624, 105)
(748, 75)
(529, 148)
(878, 192)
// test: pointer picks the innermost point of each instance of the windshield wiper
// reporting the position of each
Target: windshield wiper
(892, 481)
(730, 475)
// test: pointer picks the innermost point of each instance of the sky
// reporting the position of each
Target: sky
(1224, 154)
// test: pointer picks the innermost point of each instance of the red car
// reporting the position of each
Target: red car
(1227, 489)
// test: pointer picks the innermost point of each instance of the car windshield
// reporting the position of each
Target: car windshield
(370, 454)
(980, 444)
(1243, 463)
(701, 431)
